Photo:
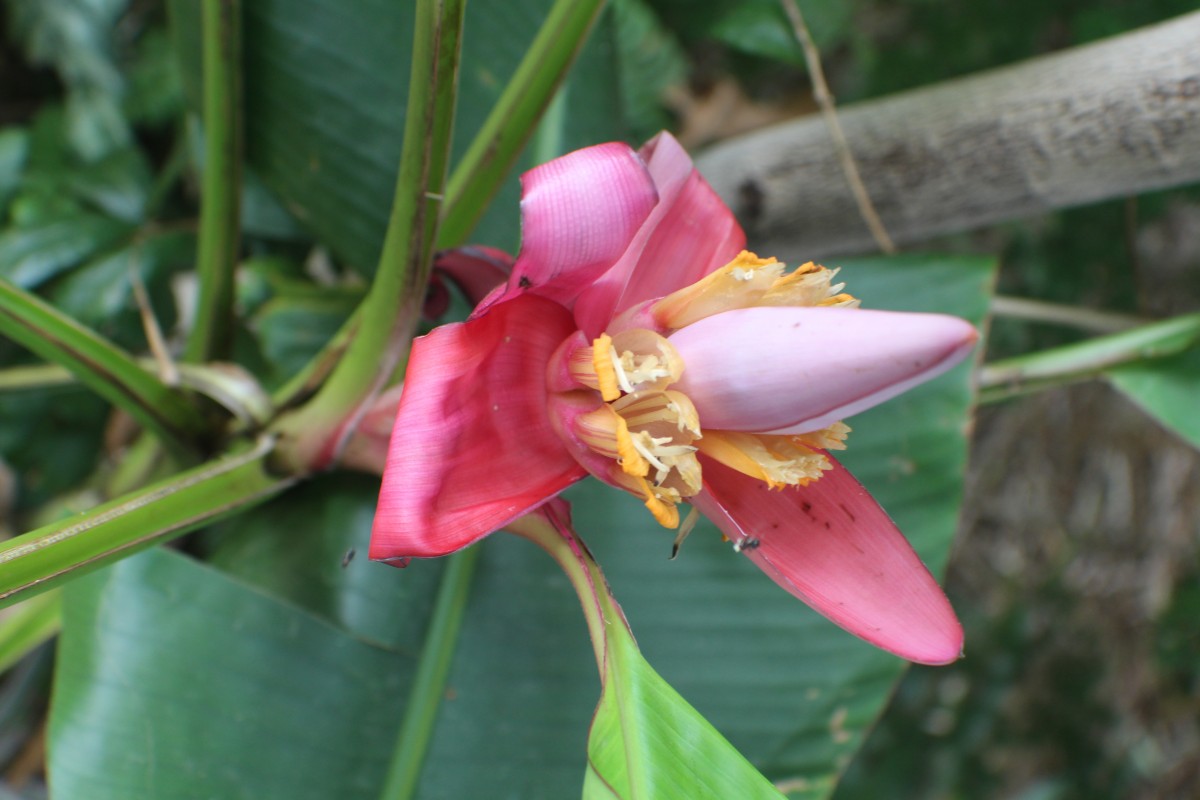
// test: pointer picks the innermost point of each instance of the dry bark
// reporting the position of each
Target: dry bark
(1110, 119)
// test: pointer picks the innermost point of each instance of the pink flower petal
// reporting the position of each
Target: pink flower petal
(689, 234)
(832, 546)
(473, 445)
(578, 215)
(791, 370)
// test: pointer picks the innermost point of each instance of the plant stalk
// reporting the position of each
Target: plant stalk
(315, 435)
(1013, 377)
(216, 261)
(48, 556)
(429, 686)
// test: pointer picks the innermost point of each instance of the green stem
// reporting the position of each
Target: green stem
(316, 433)
(216, 259)
(495, 148)
(1012, 377)
(36, 376)
(305, 383)
(429, 686)
(41, 559)
(1055, 314)
(101, 365)
(550, 529)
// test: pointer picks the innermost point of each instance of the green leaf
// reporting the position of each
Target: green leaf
(650, 61)
(155, 94)
(51, 438)
(1167, 389)
(100, 292)
(642, 719)
(762, 29)
(176, 681)
(118, 185)
(75, 37)
(30, 256)
(293, 326)
(310, 547)
(757, 27)
(14, 151)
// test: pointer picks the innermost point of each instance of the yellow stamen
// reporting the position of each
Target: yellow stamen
(842, 300)
(607, 433)
(686, 477)
(738, 284)
(632, 360)
(660, 504)
(809, 285)
(602, 364)
(582, 368)
(831, 438)
(777, 460)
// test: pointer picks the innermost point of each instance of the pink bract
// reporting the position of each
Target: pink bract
(488, 426)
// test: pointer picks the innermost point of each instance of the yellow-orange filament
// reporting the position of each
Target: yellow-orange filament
(777, 460)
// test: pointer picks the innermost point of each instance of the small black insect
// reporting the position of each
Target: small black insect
(745, 543)
(346, 559)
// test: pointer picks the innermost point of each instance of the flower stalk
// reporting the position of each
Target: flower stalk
(550, 530)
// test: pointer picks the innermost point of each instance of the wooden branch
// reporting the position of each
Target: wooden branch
(1110, 119)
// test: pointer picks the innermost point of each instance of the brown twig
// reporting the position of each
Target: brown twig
(824, 99)
(167, 371)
